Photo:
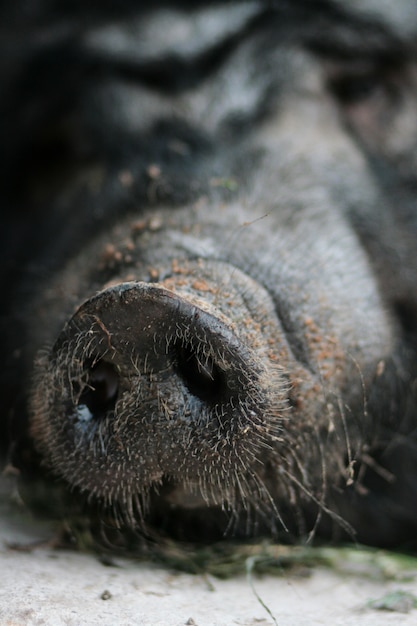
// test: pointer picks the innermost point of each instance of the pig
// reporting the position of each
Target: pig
(209, 264)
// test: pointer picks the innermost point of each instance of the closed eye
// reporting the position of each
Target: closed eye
(369, 95)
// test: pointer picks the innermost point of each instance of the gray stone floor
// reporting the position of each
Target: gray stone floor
(45, 587)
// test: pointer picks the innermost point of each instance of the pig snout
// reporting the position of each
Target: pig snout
(149, 383)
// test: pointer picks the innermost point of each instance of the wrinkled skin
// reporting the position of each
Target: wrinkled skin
(209, 251)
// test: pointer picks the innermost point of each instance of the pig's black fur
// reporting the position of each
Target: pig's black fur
(60, 120)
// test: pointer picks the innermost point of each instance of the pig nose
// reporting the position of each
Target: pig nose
(167, 355)
(146, 382)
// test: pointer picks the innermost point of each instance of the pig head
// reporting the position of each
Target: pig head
(211, 266)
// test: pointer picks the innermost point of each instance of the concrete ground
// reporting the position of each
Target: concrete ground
(47, 587)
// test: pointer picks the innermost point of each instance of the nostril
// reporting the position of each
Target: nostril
(200, 373)
(100, 393)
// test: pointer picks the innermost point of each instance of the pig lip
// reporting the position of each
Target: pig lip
(180, 495)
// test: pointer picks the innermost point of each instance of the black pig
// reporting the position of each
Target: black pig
(209, 262)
